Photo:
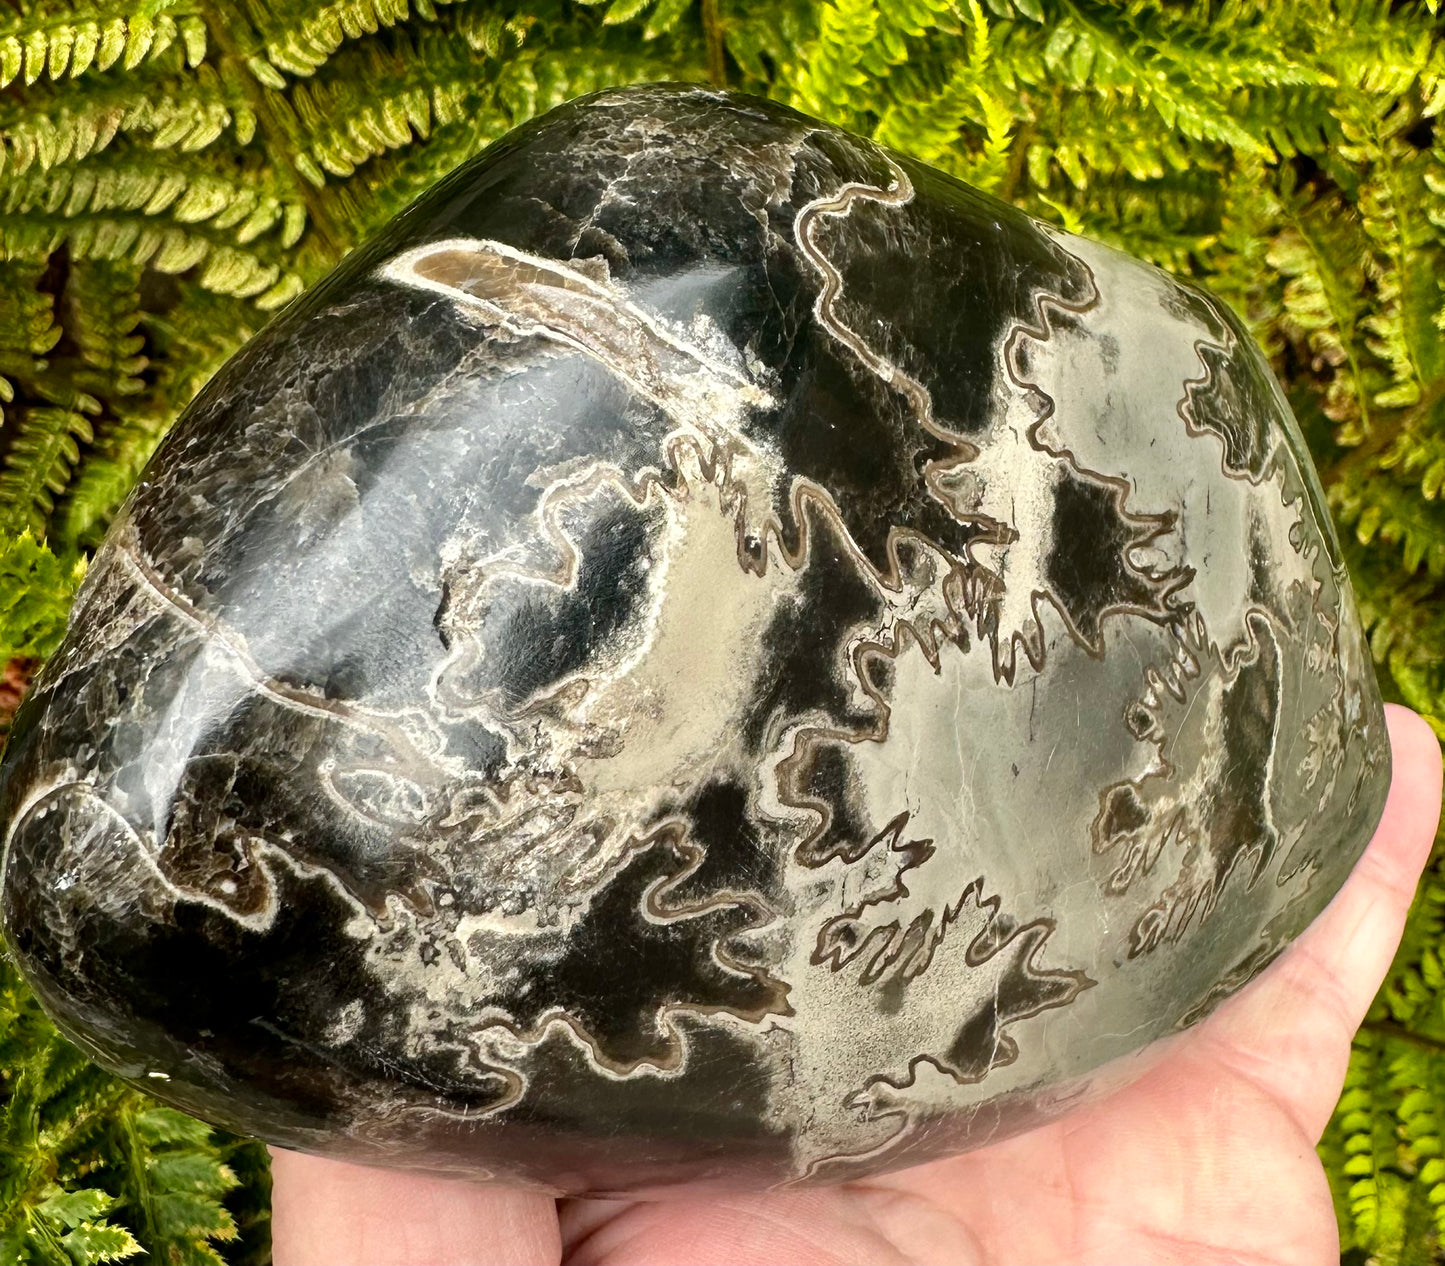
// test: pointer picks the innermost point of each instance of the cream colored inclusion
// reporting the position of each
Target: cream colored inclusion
(679, 699)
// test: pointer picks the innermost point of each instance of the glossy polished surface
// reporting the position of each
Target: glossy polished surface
(708, 652)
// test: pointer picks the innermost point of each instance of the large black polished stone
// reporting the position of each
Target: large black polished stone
(708, 651)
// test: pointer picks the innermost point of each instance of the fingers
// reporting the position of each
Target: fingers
(1348, 950)
(1291, 1029)
(328, 1213)
(820, 1227)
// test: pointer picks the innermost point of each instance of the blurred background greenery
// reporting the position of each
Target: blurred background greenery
(172, 173)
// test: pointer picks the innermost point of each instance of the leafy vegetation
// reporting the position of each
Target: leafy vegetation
(172, 171)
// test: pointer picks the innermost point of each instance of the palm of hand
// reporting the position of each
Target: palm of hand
(1208, 1156)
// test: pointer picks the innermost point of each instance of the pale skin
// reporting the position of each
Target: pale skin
(1208, 1157)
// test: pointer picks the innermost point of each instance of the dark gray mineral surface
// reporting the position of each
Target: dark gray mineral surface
(708, 651)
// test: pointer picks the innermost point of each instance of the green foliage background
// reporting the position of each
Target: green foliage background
(173, 171)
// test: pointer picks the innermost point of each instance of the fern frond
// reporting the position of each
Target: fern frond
(39, 463)
(1376, 507)
(1417, 455)
(36, 589)
(171, 1192)
(303, 46)
(834, 76)
(186, 190)
(73, 45)
(183, 114)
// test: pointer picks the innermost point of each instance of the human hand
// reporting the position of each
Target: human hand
(1209, 1156)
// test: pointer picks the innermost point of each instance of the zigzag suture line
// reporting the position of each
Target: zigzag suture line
(966, 585)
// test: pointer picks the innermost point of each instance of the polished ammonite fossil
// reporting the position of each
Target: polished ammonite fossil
(707, 651)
